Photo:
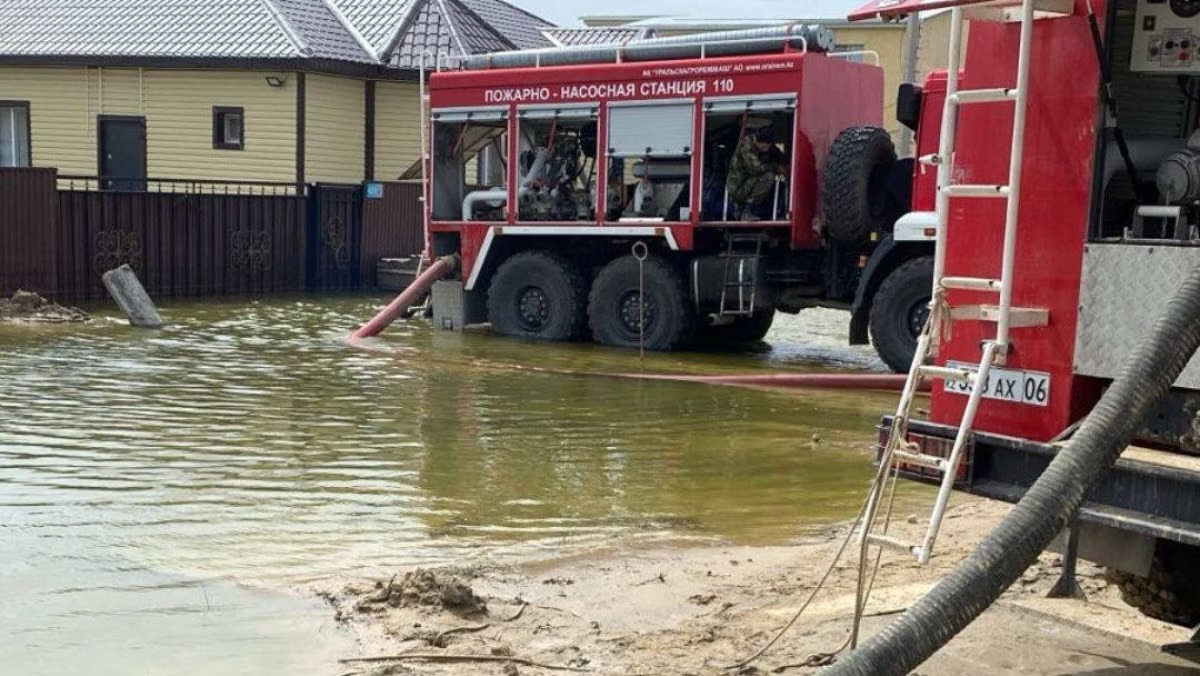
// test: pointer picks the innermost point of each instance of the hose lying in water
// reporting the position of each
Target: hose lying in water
(836, 381)
(1045, 509)
(440, 268)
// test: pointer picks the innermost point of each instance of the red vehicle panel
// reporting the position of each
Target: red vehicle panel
(1059, 145)
(831, 95)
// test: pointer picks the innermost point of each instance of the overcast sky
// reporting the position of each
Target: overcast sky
(567, 12)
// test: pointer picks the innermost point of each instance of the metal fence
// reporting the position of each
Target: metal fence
(28, 233)
(196, 238)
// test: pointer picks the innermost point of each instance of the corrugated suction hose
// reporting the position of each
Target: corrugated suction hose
(1047, 507)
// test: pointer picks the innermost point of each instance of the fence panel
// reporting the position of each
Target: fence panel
(58, 234)
(392, 226)
(28, 237)
(183, 243)
(335, 234)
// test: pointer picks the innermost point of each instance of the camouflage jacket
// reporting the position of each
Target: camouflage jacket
(751, 172)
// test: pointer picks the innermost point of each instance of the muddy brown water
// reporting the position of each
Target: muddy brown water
(166, 496)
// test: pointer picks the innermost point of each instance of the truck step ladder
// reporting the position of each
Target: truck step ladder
(898, 450)
(739, 285)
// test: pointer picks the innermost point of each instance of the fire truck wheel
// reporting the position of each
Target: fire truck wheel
(1171, 592)
(536, 294)
(743, 330)
(854, 198)
(613, 305)
(899, 311)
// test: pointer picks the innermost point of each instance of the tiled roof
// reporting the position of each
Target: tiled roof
(443, 27)
(321, 30)
(344, 30)
(569, 37)
(515, 24)
(377, 20)
(166, 28)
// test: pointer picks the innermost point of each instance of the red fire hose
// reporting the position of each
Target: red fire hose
(440, 268)
(836, 381)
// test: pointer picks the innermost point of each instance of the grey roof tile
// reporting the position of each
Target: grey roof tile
(521, 27)
(265, 29)
(376, 19)
(166, 28)
(321, 30)
(595, 36)
(455, 27)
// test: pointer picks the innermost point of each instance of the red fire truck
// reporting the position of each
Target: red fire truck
(601, 207)
(1067, 166)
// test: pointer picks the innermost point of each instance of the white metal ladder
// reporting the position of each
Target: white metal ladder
(898, 450)
(739, 286)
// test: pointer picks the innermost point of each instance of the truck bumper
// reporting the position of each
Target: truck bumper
(1148, 494)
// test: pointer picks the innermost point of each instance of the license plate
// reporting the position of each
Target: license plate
(1021, 387)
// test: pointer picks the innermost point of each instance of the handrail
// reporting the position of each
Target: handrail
(621, 48)
(857, 52)
(790, 37)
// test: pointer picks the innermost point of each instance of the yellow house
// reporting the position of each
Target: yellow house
(283, 91)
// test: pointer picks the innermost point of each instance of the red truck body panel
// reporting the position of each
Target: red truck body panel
(1060, 141)
(831, 93)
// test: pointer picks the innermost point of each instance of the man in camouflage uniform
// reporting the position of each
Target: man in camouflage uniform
(752, 175)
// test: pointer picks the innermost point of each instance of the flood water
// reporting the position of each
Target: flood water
(161, 492)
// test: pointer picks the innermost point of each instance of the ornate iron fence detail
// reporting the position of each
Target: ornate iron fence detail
(115, 248)
(250, 250)
(334, 237)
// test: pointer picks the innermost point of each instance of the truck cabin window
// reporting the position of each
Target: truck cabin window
(468, 145)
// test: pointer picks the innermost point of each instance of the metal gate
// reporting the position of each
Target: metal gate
(334, 237)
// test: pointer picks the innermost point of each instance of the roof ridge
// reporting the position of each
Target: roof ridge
(291, 33)
(549, 24)
(450, 26)
(350, 28)
(484, 24)
(548, 34)
(397, 34)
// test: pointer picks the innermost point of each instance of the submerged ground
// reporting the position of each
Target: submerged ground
(232, 494)
(168, 499)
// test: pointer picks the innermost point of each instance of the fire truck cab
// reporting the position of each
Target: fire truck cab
(1105, 225)
(671, 192)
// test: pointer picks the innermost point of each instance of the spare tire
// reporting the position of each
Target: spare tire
(855, 199)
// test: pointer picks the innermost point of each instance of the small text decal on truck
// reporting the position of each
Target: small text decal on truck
(608, 90)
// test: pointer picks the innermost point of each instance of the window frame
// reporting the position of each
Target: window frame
(28, 129)
(218, 127)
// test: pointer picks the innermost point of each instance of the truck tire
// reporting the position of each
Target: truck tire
(537, 294)
(855, 199)
(613, 305)
(743, 330)
(899, 310)
(1171, 592)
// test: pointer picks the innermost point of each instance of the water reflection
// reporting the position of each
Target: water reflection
(142, 474)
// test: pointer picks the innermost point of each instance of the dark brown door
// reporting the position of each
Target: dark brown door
(122, 144)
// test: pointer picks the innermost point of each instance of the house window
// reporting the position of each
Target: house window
(14, 134)
(228, 127)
